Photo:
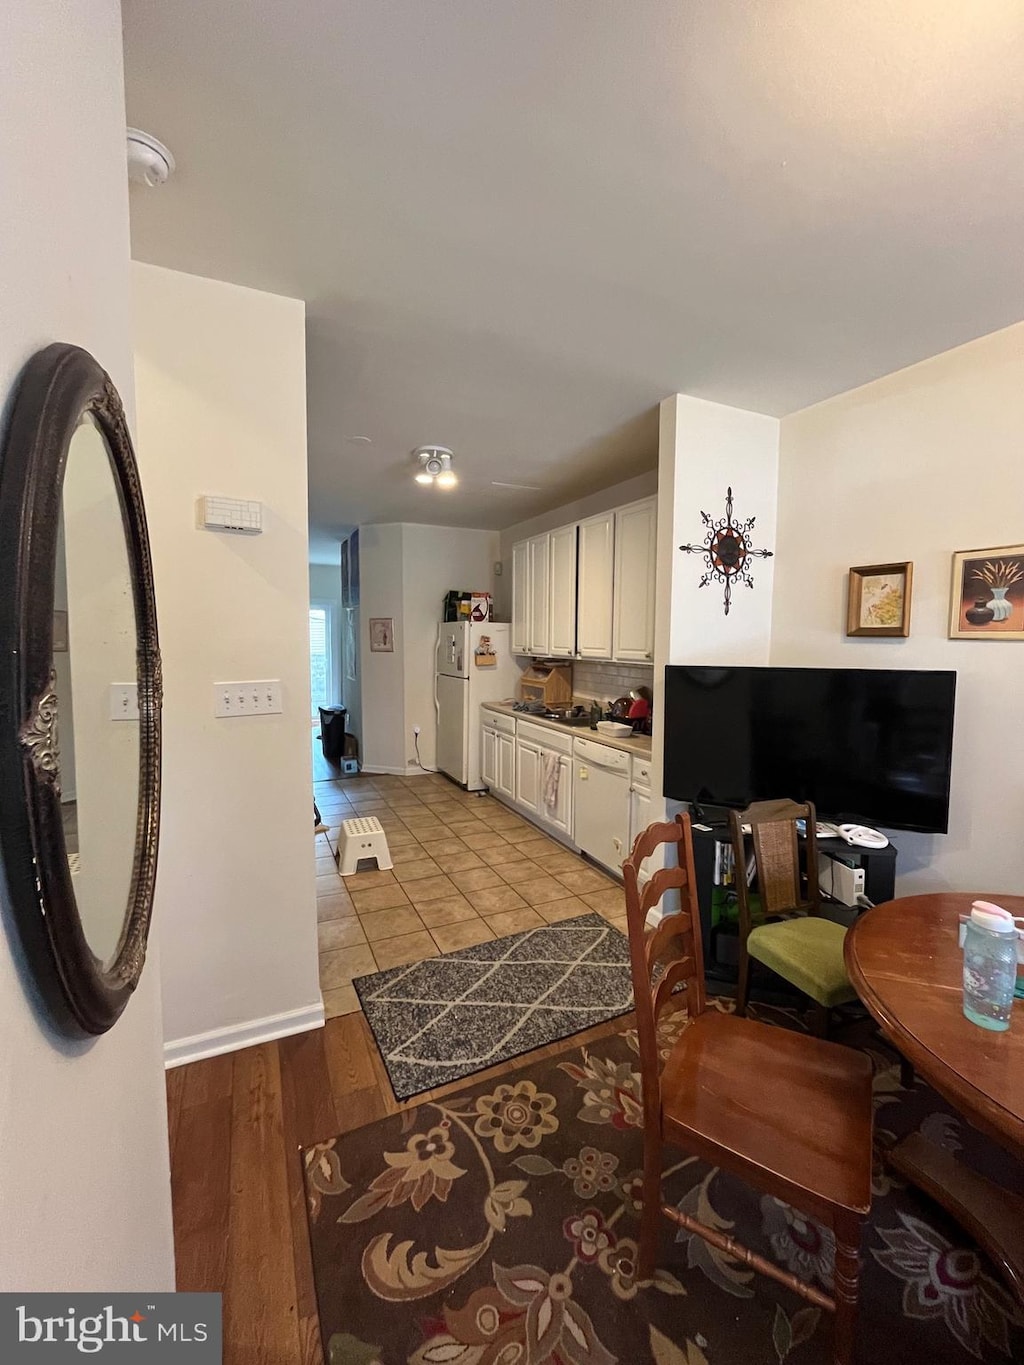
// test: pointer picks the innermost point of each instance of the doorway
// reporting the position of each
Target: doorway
(322, 678)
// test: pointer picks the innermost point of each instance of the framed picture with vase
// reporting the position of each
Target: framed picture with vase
(987, 596)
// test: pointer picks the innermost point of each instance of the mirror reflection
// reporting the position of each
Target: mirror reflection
(94, 664)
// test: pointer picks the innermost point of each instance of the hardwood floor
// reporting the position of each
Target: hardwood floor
(236, 1125)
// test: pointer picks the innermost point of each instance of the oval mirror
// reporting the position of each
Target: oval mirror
(79, 690)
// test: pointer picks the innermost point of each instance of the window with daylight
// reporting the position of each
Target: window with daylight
(320, 671)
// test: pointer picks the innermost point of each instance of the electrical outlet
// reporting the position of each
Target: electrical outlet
(124, 701)
(262, 698)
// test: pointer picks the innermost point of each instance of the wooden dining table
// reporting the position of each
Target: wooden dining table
(906, 964)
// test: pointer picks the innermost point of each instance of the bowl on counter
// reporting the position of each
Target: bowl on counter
(614, 729)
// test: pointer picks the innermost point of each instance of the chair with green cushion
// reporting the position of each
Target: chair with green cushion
(795, 942)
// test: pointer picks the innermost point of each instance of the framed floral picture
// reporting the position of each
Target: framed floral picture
(987, 597)
(878, 599)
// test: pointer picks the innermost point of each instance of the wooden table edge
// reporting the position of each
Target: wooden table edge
(988, 1116)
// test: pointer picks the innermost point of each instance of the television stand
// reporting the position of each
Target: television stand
(715, 816)
(721, 945)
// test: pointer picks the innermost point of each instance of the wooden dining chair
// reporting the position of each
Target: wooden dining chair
(789, 1114)
(795, 941)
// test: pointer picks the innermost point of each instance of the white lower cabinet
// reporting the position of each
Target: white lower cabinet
(639, 812)
(489, 756)
(639, 798)
(531, 766)
(506, 781)
(498, 753)
(544, 767)
(527, 774)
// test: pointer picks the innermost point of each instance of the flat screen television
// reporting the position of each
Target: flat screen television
(872, 746)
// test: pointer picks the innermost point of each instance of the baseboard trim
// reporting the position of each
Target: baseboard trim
(236, 1036)
(408, 771)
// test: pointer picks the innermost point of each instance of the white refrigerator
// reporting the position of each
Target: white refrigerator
(460, 686)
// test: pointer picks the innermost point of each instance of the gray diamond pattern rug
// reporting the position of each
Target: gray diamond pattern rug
(445, 1018)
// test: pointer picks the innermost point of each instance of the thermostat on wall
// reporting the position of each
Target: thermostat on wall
(230, 514)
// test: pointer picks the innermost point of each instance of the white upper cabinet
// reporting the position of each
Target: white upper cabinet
(635, 546)
(521, 597)
(594, 596)
(587, 590)
(562, 592)
(538, 630)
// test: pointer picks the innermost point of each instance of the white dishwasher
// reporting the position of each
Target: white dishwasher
(600, 796)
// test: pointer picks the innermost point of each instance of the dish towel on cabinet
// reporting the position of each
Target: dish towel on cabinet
(552, 772)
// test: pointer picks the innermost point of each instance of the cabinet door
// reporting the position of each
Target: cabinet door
(562, 592)
(639, 813)
(528, 780)
(506, 783)
(521, 597)
(559, 813)
(537, 628)
(594, 597)
(488, 756)
(635, 538)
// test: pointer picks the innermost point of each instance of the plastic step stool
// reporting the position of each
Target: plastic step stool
(362, 837)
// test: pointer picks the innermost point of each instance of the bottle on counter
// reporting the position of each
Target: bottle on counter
(990, 966)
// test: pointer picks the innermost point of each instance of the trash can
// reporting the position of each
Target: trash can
(332, 732)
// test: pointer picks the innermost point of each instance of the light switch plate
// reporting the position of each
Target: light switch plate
(124, 701)
(261, 698)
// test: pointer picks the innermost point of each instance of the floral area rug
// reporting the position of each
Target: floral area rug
(498, 1227)
(445, 1018)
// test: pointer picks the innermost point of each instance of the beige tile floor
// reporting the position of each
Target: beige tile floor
(467, 869)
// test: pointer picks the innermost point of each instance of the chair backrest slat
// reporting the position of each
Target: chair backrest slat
(665, 879)
(776, 859)
(674, 945)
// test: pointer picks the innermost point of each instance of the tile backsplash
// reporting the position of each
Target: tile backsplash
(606, 681)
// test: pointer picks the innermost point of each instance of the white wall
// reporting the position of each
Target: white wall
(915, 466)
(435, 559)
(631, 490)
(706, 448)
(405, 571)
(94, 1215)
(382, 676)
(220, 378)
(718, 447)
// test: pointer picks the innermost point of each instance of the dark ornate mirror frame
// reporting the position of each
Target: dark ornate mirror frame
(59, 386)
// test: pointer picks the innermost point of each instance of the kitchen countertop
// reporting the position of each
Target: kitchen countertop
(637, 744)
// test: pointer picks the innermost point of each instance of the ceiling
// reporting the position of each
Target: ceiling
(518, 224)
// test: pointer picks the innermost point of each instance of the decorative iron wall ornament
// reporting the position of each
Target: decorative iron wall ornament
(727, 550)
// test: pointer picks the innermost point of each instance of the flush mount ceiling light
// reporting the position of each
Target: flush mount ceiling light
(435, 466)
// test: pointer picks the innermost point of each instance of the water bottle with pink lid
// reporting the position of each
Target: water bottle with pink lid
(990, 965)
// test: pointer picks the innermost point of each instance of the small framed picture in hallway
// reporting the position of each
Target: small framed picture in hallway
(382, 635)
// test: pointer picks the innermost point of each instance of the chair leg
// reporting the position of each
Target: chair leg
(743, 984)
(846, 1286)
(819, 1020)
(650, 1216)
(906, 1073)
